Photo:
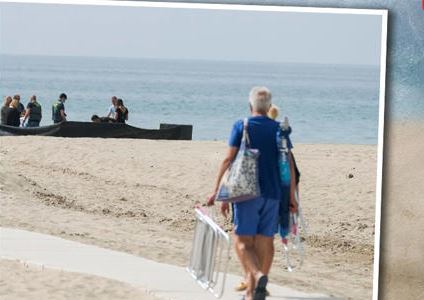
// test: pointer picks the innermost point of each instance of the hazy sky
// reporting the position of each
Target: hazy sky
(189, 34)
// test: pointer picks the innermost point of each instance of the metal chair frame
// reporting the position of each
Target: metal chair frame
(294, 241)
(210, 254)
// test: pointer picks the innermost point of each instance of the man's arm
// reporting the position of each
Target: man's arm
(293, 202)
(27, 112)
(63, 115)
(231, 154)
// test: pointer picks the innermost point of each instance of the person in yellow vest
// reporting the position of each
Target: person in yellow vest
(33, 113)
(58, 109)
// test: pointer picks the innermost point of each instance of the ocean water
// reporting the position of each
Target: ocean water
(324, 103)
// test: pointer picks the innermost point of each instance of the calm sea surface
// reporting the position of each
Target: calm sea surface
(325, 104)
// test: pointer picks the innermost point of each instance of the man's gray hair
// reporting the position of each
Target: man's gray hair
(260, 99)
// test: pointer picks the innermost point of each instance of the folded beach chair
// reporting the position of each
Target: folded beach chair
(293, 239)
(210, 254)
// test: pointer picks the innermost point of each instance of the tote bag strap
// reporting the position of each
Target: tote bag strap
(245, 137)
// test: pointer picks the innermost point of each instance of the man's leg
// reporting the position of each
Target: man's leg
(264, 249)
(264, 242)
(248, 258)
(236, 248)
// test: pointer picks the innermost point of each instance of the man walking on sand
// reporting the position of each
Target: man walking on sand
(255, 221)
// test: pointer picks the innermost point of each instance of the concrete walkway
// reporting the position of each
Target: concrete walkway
(162, 280)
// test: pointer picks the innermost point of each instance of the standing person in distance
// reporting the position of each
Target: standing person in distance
(21, 107)
(58, 109)
(33, 113)
(12, 113)
(6, 103)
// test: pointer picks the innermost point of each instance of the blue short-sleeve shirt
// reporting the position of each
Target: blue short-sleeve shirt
(262, 133)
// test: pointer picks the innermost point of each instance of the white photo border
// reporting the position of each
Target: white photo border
(274, 8)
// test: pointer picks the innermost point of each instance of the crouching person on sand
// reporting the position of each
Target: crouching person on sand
(255, 220)
(97, 119)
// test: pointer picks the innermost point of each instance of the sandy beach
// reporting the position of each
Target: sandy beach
(402, 228)
(137, 196)
(27, 281)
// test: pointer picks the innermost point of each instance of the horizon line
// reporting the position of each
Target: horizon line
(193, 59)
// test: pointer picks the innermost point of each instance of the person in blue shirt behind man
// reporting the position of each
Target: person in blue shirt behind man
(255, 220)
(58, 109)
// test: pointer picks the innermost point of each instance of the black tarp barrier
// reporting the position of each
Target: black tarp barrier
(101, 130)
(186, 130)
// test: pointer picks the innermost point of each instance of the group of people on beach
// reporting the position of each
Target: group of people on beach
(14, 113)
(255, 221)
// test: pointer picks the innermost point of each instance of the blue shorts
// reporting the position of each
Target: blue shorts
(257, 216)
